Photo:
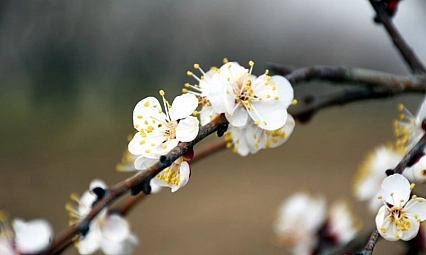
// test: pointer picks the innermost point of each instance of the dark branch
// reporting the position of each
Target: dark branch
(407, 53)
(416, 152)
(358, 76)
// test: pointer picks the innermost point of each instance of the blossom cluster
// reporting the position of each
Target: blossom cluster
(398, 216)
(305, 226)
(108, 232)
(255, 107)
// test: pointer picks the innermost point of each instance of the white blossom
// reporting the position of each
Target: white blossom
(241, 96)
(158, 131)
(399, 217)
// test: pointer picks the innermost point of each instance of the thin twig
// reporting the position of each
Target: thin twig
(407, 53)
(357, 76)
(369, 247)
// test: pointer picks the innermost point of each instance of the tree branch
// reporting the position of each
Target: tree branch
(407, 53)
(140, 181)
(369, 247)
(357, 76)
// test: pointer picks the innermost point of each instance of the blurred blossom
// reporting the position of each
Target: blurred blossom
(408, 128)
(107, 232)
(26, 237)
(341, 225)
(299, 220)
(305, 226)
(371, 174)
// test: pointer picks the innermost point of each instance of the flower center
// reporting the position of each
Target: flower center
(399, 218)
(171, 175)
(171, 129)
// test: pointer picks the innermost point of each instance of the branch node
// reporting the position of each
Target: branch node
(390, 172)
(83, 228)
(221, 129)
(165, 161)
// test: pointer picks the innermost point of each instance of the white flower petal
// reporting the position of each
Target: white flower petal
(216, 92)
(384, 226)
(239, 141)
(421, 113)
(185, 172)
(412, 231)
(187, 129)
(271, 115)
(125, 247)
(154, 187)
(418, 170)
(285, 90)
(115, 228)
(239, 117)
(416, 207)
(396, 190)
(144, 161)
(183, 106)
(32, 236)
(207, 114)
(97, 184)
(146, 110)
(92, 241)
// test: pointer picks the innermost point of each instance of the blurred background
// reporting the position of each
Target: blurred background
(72, 71)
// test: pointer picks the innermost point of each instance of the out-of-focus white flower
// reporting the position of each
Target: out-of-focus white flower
(399, 217)
(409, 129)
(417, 172)
(372, 173)
(251, 139)
(107, 232)
(341, 225)
(158, 131)
(201, 90)
(241, 96)
(26, 237)
(299, 219)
